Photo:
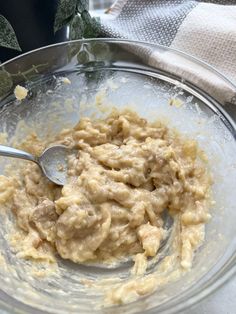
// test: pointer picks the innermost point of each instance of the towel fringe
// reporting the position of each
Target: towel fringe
(116, 8)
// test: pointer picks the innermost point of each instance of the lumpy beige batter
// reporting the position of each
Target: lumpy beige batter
(123, 174)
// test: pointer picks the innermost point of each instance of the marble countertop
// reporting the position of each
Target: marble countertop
(223, 301)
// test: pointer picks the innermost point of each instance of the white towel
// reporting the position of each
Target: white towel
(203, 29)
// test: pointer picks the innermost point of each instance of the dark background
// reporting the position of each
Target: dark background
(32, 21)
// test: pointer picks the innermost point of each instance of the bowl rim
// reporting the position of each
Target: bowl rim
(180, 52)
(230, 270)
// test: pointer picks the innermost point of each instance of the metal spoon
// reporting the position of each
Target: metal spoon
(53, 161)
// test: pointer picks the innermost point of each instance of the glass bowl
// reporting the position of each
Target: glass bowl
(107, 73)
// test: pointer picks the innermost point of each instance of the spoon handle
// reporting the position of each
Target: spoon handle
(16, 153)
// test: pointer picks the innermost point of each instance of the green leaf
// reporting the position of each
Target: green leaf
(7, 35)
(65, 12)
(92, 26)
(76, 28)
(82, 5)
(83, 57)
(5, 83)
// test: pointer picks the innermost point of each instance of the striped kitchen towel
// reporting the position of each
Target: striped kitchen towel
(203, 29)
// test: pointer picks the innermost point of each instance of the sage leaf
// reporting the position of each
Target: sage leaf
(7, 35)
(82, 5)
(83, 57)
(92, 26)
(6, 83)
(76, 28)
(66, 10)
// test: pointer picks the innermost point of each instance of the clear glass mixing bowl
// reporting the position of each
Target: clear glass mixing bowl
(104, 74)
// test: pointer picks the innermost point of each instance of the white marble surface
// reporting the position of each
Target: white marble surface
(222, 301)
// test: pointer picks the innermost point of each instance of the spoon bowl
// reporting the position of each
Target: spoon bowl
(53, 161)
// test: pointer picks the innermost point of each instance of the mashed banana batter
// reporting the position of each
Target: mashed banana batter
(123, 174)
